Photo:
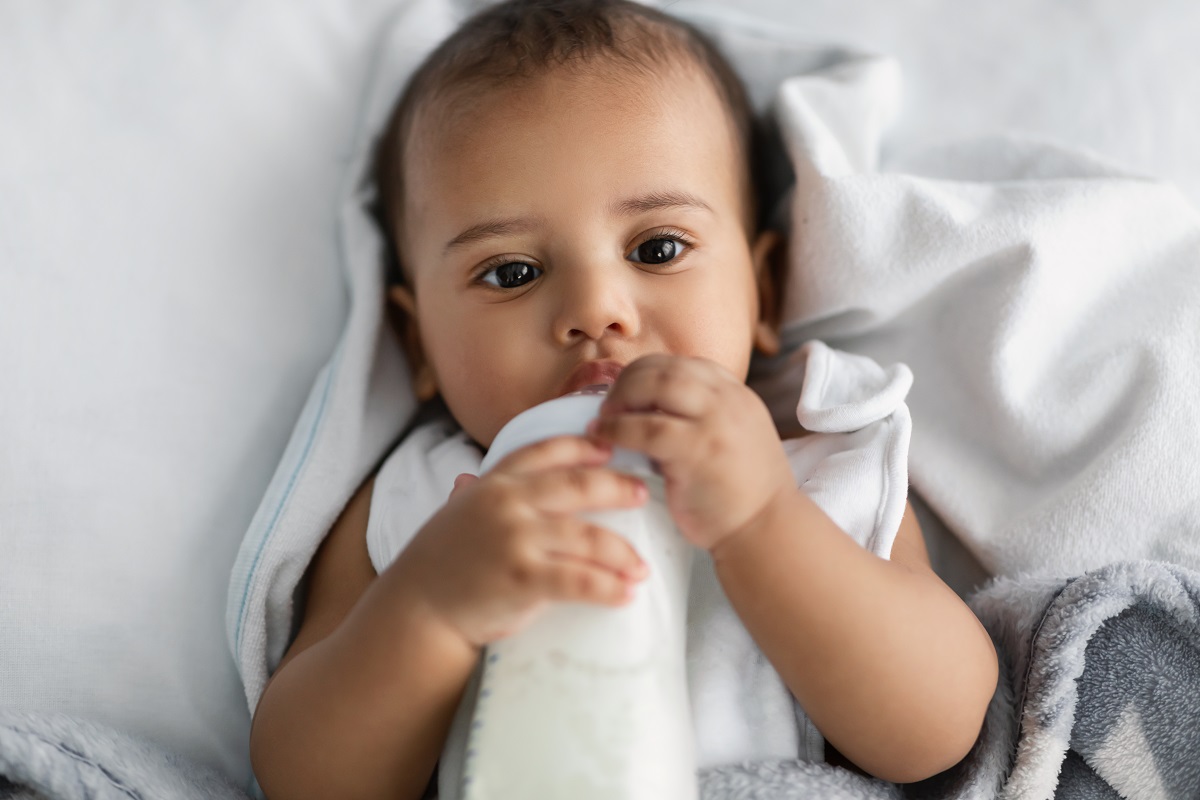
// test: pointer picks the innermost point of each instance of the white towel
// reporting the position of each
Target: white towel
(1048, 304)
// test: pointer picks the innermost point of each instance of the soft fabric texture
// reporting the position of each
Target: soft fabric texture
(358, 405)
(1098, 693)
(1087, 708)
(168, 290)
(50, 756)
(1106, 78)
(1048, 305)
(1104, 670)
(853, 465)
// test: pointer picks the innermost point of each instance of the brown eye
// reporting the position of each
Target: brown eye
(510, 275)
(657, 251)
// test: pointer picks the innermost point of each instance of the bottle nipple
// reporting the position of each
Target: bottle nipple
(595, 388)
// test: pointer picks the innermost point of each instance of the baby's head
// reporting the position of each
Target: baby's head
(567, 186)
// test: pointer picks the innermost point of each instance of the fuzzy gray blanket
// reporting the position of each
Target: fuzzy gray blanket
(1098, 698)
(59, 757)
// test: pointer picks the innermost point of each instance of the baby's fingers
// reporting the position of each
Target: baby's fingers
(662, 437)
(576, 489)
(581, 541)
(574, 581)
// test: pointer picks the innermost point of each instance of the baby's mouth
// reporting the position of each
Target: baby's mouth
(593, 376)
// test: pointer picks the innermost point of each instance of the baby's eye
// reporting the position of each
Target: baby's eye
(510, 275)
(658, 250)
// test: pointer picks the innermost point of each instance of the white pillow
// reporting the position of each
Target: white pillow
(168, 290)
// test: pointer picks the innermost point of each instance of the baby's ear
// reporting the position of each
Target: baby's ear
(402, 305)
(770, 255)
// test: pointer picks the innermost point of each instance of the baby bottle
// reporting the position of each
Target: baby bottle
(589, 701)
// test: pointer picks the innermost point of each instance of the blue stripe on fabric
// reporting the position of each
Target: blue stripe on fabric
(287, 493)
(360, 144)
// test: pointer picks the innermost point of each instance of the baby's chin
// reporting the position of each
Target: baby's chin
(484, 431)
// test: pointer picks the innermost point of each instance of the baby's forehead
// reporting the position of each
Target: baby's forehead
(445, 116)
(452, 97)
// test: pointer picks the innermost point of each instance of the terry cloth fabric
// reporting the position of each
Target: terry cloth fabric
(1047, 302)
(853, 465)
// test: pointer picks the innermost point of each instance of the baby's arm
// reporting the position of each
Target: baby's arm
(364, 697)
(362, 702)
(893, 668)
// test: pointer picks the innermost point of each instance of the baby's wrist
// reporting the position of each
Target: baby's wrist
(756, 529)
(420, 606)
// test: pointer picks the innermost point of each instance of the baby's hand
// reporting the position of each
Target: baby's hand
(712, 437)
(506, 544)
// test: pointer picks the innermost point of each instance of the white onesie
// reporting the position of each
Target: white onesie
(854, 466)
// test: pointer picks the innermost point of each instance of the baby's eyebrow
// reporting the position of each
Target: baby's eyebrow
(630, 206)
(655, 201)
(493, 227)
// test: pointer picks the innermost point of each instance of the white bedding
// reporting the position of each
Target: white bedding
(1049, 307)
(1110, 76)
(169, 286)
(171, 281)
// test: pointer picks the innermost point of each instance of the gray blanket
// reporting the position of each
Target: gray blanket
(1099, 698)
(58, 757)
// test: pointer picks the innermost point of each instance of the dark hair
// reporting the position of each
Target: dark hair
(520, 39)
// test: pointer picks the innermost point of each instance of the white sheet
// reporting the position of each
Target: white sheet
(168, 290)
(1109, 76)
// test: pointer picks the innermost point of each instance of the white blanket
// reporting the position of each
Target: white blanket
(1049, 307)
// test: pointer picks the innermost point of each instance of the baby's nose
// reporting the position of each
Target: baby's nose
(595, 304)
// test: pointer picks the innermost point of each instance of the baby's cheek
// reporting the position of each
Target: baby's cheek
(482, 397)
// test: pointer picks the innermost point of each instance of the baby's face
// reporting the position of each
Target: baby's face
(562, 229)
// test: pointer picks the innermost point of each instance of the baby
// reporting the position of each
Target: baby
(568, 191)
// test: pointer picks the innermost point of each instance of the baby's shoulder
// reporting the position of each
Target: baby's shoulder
(343, 553)
(339, 572)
